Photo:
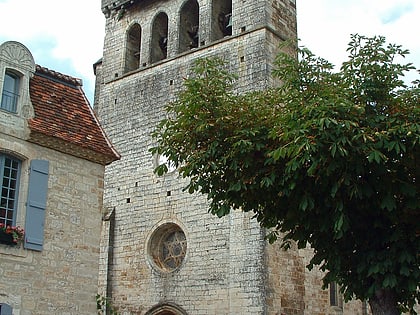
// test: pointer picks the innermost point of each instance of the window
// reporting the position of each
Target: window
(132, 56)
(10, 93)
(188, 35)
(163, 159)
(159, 38)
(168, 247)
(35, 204)
(221, 19)
(336, 299)
(5, 309)
(10, 172)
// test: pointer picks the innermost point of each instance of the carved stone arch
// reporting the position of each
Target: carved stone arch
(166, 309)
(221, 19)
(189, 25)
(159, 44)
(17, 56)
(132, 48)
(17, 62)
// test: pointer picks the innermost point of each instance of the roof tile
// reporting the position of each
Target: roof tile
(63, 115)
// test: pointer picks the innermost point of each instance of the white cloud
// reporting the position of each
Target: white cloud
(324, 26)
(67, 36)
(71, 32)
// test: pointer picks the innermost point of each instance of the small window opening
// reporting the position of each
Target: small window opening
(336, 299)
(163, 159)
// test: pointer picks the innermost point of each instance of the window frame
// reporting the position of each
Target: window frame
(4, 219)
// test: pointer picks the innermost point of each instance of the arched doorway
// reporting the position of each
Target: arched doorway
(166, 309)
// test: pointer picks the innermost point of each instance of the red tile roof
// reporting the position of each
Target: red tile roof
(64, 120)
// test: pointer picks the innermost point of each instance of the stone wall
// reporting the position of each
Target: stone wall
(62, 278)
(222, 271)
(228, 267)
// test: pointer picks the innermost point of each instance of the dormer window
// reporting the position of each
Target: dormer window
(10, 93)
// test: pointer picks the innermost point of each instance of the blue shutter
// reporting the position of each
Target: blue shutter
(5, 309)
(36, 204)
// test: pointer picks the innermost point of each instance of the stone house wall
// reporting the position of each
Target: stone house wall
(62, 278)
(52, 186)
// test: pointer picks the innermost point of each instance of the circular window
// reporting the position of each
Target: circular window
(168, 246)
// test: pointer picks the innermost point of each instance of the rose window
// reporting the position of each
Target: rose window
(173, 249)
(168, 246)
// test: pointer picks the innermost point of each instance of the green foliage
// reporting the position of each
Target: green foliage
(104, 306)
(328, 159)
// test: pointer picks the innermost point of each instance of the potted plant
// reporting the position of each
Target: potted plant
(11, 235)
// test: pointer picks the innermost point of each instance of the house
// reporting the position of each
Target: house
(53, 154)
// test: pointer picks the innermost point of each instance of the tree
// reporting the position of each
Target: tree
(328, 159)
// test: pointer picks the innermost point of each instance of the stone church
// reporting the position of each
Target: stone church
(161, 252)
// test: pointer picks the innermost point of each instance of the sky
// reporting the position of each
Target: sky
(67, 36)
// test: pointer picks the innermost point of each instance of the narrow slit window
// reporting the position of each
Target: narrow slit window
(336, 299)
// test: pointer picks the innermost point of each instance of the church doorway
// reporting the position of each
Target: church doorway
(166, 309)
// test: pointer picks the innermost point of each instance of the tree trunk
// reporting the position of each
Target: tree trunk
(384, 303)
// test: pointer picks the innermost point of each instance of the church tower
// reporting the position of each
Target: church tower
(162, 253)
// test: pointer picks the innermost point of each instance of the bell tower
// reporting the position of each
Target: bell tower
(162, 253)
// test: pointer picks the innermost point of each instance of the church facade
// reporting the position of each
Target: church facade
(161, 252)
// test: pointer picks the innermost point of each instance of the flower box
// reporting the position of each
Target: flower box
(6, 238)
(11, 235)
